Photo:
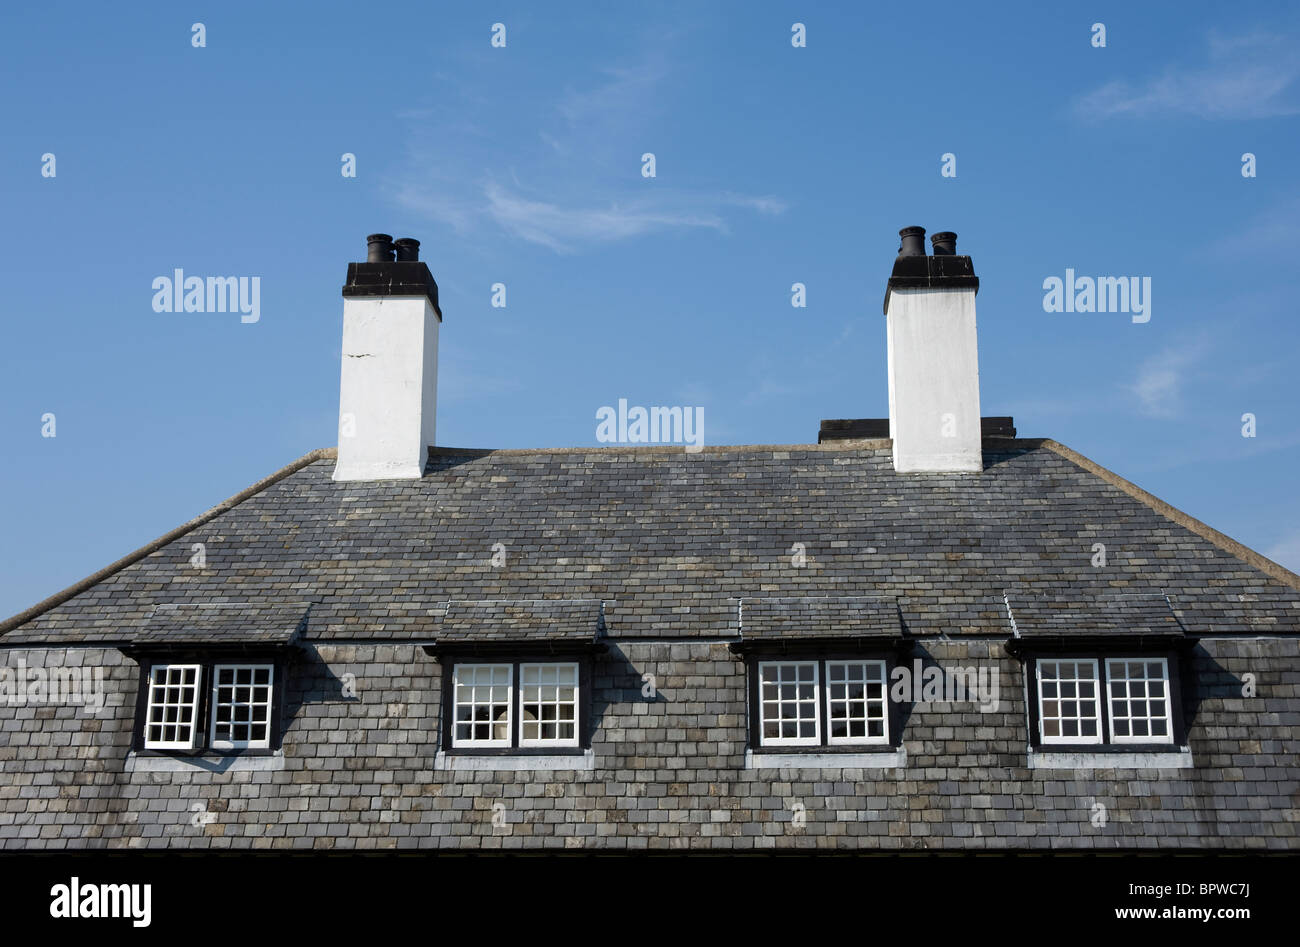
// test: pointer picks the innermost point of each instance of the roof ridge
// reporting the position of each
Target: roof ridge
(843, 445)
(1175, 515)
(839, 445)
(58, 598)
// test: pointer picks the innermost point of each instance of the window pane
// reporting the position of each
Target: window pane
(858, 709)
(173, 697)
(1139, 700)
(788, 707)
(241, 705)
(481, 704)
(548, 695)
(1067, 702)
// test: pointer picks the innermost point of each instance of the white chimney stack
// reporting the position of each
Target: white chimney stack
(934, 391)
(389, 387)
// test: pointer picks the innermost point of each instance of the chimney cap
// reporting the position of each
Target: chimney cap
(913, 269)
(392, 268)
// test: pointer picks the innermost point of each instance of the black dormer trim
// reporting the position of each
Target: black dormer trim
(1022, 647)
(862, 648)
(540, 647)
(281, 657)
(515, 655)
(866, 645)
(1175, 659)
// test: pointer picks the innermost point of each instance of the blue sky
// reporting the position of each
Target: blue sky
(522, 165)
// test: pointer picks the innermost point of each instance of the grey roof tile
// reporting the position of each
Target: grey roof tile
(1106, 615)
(509, 620)
(764, 618)
(222, 623)
(670, 540)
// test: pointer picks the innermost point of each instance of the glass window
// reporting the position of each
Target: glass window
(482, 698)
(1068, 702)
(1139, 700)
(790, 703)
(171, 717)
(241, 706)
(548, 703)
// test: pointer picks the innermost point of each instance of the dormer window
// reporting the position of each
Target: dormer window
(1124, 700)
(822, 703)
(516, 686)
(203, 705)
(524, 706)
(1103, 676)
(212, 676)
(818, 672)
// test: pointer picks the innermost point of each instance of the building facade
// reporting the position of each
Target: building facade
(920, 633)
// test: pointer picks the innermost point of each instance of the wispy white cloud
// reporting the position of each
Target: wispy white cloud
(564, 228)
(763, 205)
(1275, 231)
(568, 227)
(1160, 379)
(1247, 76)
(573, 184)
(627, 91)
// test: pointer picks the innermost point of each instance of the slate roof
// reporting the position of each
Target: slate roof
(1106, 616)
(683, 554)
(221, 623)
(555, 620)
(762, 619)
(670, 540)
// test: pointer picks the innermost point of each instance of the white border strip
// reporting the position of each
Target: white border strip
(1180, 759)
(209, 763)
(890, 759)
(459, 762)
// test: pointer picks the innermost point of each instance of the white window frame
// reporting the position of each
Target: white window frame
(1097, 698)
(763, 738)
(1168, 716)
(269, 704)
(883, 700)
(577, 704)
(456, 704)
(150, 704)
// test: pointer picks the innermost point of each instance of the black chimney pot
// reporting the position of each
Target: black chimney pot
(945, 243)
(379, 248)
(408, 250)
(913, 241)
